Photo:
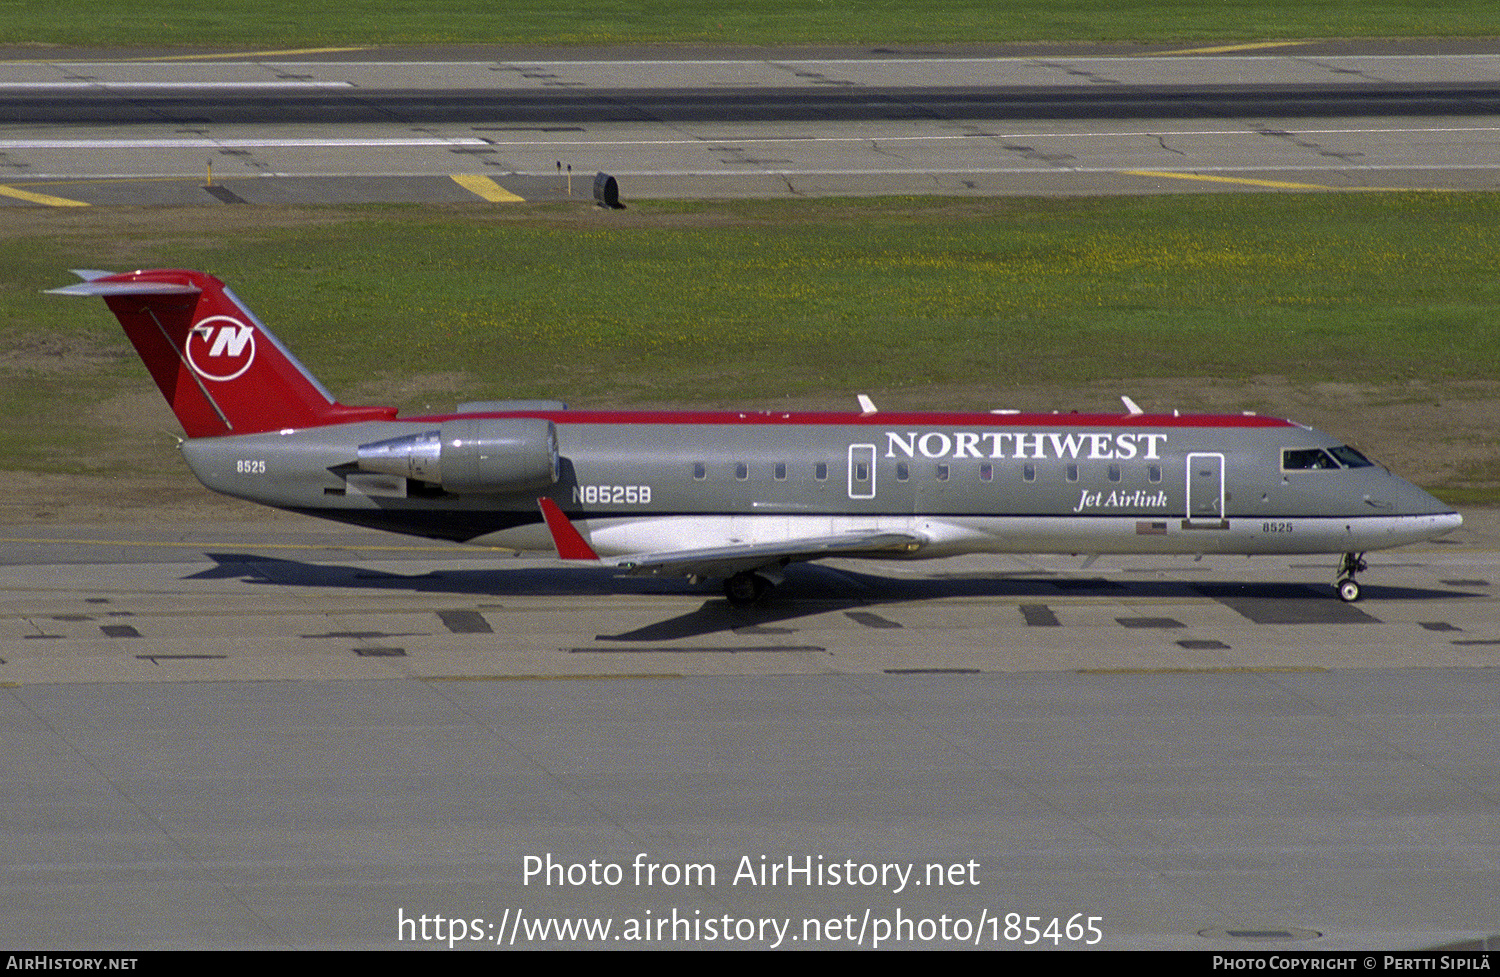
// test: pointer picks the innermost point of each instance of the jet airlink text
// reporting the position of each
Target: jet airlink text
(1037, 445)
(1138, 499)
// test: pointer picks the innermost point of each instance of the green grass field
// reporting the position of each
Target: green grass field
(314, 23)
(843, 294)
(756, 303)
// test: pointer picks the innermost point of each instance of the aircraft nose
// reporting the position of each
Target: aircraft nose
(1402, 498)
(1418, 501)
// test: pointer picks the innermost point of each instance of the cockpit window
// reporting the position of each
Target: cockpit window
(1307, 459)
(1350, 458)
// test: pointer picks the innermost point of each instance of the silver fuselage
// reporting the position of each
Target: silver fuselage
(962, 483)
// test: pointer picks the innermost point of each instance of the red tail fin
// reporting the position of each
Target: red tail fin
(219, 367)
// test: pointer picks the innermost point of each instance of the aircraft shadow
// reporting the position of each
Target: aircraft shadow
(812, 589)
(499, 581)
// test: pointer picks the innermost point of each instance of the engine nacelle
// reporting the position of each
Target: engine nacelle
(472, 455)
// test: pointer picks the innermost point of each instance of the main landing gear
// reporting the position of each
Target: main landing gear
(746, 589)
(1351, 564)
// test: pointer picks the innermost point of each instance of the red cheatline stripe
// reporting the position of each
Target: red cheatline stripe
(885, 419)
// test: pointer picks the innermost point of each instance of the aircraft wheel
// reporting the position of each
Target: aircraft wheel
(746, 589)
(1348, 591)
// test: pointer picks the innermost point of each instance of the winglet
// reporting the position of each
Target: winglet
(570, 545)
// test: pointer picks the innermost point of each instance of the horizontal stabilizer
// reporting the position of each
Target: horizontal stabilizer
(125, 288)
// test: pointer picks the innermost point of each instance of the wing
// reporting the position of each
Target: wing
(726, 561)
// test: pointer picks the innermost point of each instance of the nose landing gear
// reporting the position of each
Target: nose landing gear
(1351, 564)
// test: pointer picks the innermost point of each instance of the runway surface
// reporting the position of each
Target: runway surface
(500, 125)
(274, 733)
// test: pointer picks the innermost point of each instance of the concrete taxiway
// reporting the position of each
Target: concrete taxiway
(227, 603)
(290, 735)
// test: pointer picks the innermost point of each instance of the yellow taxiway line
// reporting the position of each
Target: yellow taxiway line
(483, 186)
(1226, 48)
(39, 198)
(253, 54)
(1277, 184)
(190, 57)
(1274, 184)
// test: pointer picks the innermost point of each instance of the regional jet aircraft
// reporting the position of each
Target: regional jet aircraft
(739, 496)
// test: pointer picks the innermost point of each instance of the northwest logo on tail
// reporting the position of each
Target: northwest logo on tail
(220, 348)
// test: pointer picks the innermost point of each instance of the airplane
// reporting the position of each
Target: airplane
(739, 496)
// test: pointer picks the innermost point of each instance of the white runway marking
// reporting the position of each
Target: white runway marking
(267, 143)
(708, 141)
(197, 86)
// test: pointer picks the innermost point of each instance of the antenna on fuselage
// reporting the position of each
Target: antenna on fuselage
(1131, 405)
(866, 405)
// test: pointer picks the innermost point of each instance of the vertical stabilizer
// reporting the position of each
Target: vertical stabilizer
(220, 368)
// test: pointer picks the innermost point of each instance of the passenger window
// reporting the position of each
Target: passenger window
(780, 471)
(1072, 473)
(1114, 473)
(1153, 472)
(741, 471)
(700, 471)
(903, 471)
(942, 473)
(1028, 472)
(820, 471)
(986, 472)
